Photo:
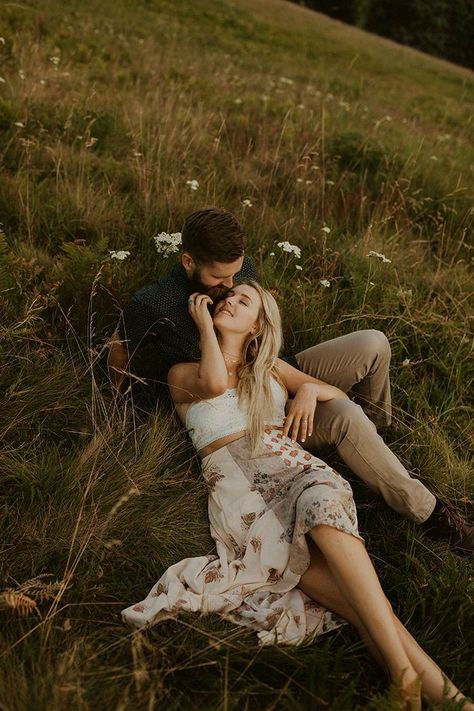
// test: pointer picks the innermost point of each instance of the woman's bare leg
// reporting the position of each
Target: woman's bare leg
(319, 584)
(357, 580)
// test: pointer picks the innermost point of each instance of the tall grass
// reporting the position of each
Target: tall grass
(318, 125)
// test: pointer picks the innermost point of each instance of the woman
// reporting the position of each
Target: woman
(289, 554)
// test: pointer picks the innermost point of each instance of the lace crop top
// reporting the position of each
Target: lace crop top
(209, 420)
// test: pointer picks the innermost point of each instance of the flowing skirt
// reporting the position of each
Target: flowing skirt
(260, 508)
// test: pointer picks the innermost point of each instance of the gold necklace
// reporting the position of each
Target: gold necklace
(229, 372)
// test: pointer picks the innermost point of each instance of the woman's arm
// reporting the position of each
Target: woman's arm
(294, 379)
(209, 377)
(306, 392)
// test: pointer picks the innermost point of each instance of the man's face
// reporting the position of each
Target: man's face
(212, 279)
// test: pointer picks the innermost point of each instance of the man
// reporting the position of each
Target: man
(212, 259)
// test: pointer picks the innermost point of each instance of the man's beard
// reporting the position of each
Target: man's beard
(215, 292)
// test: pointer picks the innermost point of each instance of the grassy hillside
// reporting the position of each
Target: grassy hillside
(107, 109)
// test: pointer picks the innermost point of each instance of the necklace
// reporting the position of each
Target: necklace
(230, 372)
(232, 360)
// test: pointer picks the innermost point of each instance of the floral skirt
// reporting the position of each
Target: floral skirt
(260, 508)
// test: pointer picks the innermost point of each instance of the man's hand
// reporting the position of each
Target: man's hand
(300, 415)
(117, 361)
(197, 304)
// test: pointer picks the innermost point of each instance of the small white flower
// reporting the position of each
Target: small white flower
(247, 203)
(308, 182)
(272, 254)
(21, 73)
(406, 362)
(2, 40)
(300, 106)
(237, 101)
(299, 180)
(2, 80)
(326, 229)
(433, 157)
(193, 184)
(285, 80)
(91, 142)
(315, 167)
(291, 248)
(299, 267)
(325, 282)
(166, 243)
(42, 82)
(379, 256)
(55, 60)
(19, 124)
(121, 254)
(137, 154)
(329, 182)
(371, 283)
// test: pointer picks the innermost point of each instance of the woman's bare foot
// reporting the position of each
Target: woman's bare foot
(408, 687)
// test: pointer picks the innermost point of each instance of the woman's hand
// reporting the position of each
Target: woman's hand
(197, 305)
(300, 415)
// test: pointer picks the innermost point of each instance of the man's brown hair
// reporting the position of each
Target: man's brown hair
(212, 235)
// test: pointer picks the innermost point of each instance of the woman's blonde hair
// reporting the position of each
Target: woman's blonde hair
(260, 355)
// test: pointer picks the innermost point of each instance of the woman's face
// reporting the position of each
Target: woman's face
(238, 311)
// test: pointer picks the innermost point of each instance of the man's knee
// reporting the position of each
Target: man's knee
(376, 343)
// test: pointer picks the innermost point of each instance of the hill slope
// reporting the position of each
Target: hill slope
(107, 110)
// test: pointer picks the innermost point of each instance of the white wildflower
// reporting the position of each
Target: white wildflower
(308, 182)
(19, 124)
(193, 184)
(237, 101)
(433, 157)
(325, 282)
(42, 82)
(326, 229)
(272, 254)
(378, 255)
(406, 362)
(300, 106)
(329, 182)
(166, 243)
(315, 167)
(285, 80)
(299, 267)
(121, 254)
(299, 180)
(55, 60)
(2, 40)
(137, 154)
(21, 73)
(2, 80)
(291, 248)
(91, 142)
(247, 203)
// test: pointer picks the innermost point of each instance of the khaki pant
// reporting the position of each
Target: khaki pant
(359, 362)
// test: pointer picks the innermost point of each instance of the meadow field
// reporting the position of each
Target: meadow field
(117, 119)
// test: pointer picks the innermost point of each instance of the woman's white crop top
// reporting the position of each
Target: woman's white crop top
(209, 420)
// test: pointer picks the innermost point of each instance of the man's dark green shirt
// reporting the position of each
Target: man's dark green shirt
(158, 314)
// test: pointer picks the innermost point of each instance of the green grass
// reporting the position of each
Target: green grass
(98, 497)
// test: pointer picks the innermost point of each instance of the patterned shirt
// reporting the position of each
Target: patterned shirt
(158, 314)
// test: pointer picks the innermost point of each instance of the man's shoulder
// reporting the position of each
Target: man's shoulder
(249, 270)
(165, 287)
